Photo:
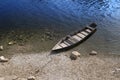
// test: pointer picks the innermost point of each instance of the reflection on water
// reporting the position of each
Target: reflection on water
(67, 15)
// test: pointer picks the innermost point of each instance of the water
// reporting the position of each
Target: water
(67, 16)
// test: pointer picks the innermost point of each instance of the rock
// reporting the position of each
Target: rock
(93, 53)
(2, 78)
(37, 71)
(31, 78)
(3, 59)
(42, 39)
(48, 34)
(14, 78)
(117, 70)
(74, 55)
(11, 42)
(1, 48)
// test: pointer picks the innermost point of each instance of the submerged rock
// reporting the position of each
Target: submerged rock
(31, 78)
(74, 55)
(1, 48)
(93, 53)
(48, 33)
(3, 59)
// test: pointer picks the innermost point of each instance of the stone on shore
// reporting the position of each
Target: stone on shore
(93, 53)
(117, 70)
(11, 42)
(31, 78)
(74, 55)
(1, 48)
(3, 59)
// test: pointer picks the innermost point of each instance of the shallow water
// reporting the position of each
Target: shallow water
(67, 16)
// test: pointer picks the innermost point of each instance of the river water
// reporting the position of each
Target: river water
(67, 16)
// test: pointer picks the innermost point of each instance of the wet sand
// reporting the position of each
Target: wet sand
(60, 67)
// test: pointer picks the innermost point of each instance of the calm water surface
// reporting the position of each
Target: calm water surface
(67, 15)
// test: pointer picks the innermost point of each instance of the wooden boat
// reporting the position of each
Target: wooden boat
(75, 38)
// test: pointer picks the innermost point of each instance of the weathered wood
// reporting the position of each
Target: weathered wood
(76, 37)
(67, 43)
(63, 45)
(57, 47)
(73, 41)
(81, 35)
(83, 32)
(88, 30)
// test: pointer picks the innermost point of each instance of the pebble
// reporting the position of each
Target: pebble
(11, 42)
(31, 78)
(93, 53)
(1, 48)
(3, 59)
(117, 70)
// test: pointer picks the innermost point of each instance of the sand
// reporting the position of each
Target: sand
(60, 67)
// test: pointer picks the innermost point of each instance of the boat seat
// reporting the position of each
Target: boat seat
(63, 45)
(81, 35)
(88, 30)
(83, 32)
(67, 43)
(77, 38)
(72, 40)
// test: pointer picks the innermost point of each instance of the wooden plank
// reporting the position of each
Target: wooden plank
(77, 38)
(90, 27)
(57, 47)
(67, 43)
(73, 41)
(63, 45)
(83, 32)
(81, 35)
(88, 30)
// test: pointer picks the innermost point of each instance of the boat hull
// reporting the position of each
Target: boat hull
(80, 36)
(76, 44)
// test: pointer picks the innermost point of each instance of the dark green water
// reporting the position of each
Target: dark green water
(60, 17)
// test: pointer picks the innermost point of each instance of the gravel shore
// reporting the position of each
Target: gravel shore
(60, 67)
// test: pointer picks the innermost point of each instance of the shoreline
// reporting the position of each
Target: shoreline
(26, 58)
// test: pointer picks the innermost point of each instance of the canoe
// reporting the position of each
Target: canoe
(76, 38)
